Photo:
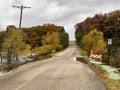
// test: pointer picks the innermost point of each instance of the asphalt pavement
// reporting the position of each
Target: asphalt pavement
(62, 72)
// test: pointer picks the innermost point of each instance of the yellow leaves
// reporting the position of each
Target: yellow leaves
(15, 39)
(27, 49)
(51, 28)
(44, 50)
(94, 41)
(51, 39)
(100, 47)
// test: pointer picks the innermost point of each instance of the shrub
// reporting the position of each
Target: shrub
(112, 61)
(27, 49)
(94, 41)
(44, 50)
(64, 39)
(59, 47)
(78, 37)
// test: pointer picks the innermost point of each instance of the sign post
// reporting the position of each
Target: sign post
(109, 43)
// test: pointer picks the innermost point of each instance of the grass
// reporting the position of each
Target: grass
(42, 57)
(82, 59)
(110, 84)
(9, 67)
(82, 52)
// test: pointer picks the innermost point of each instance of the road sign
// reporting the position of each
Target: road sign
(109, 41)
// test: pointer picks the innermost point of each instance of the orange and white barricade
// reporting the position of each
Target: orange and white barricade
(96, 56)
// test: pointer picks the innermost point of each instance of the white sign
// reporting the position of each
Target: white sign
(109, 41)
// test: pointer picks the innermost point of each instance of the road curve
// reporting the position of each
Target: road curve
(61, 72)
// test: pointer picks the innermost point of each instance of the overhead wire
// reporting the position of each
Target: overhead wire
(32, 12)
(4, 1)
(36, 15)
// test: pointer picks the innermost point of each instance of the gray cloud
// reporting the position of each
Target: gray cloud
(60, 12)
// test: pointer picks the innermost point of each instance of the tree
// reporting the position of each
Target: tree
(113, 27)
(78, 37)
(32, 39)
(14, 42)
(51, 39)
(2, 34)
(94, 40)
(51, 28)
(64, 39)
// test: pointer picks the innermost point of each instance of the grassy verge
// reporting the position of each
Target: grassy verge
(82, 52)
(38, 58)
(84, 58)
(110, 84)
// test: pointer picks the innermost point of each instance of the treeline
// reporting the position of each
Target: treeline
(40, 40)
(108, 25)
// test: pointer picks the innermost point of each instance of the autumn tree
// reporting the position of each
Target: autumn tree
(51, 28)
(51, 39)
(14, 42)
(113, 27)
(32, 39)
(90, 23)
(94, 40)
(2, 34)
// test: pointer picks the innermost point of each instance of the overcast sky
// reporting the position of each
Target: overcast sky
(60, 12)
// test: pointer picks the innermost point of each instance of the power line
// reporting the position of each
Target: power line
(21, 12)
(33, 12)
(18, 2)
(21, 7)
(5, 2)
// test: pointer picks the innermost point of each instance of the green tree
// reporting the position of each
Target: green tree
(78, 36)
(64, 39)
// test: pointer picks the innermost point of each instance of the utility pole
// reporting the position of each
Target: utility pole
(21, 12)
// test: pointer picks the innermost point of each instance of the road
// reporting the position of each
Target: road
(61, 72)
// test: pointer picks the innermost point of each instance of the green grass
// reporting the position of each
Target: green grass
(82, 52)
(110, 84)
(42, 57)
(84, 55)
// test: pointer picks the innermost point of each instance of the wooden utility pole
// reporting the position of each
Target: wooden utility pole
(21, 12)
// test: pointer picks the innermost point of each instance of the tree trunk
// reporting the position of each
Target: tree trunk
(1, 57)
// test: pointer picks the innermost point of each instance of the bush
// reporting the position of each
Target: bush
(78, 37)
(94, 40)
(59, 47)
(112, 61)
(44, 50)
(64, 39)
(9, 67)
(27, 49)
